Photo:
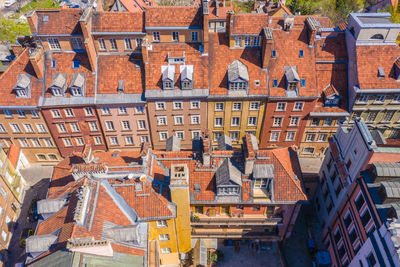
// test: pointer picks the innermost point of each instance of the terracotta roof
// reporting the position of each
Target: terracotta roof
(176, 16)
(21, 65)
(369, 59)
(67, 17)
(13, 154)
(331, 48)
(222, 10)
(223, 56)
(250, 23)
(64, 62)
(113, 68)
(132, 5)
(118, 21)
(158, 57)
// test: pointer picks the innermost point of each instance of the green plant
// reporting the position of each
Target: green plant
(214, 257)
(395, 12)
(10, 29)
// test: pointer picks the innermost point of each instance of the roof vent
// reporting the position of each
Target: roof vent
(197, 188)
(120, 86)
(381, 72)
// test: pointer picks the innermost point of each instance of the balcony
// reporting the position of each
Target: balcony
(239, 219)
(234, 233)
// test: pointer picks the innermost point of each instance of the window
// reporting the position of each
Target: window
(178, 120)
(53, 64)
(337, 235)
(23, 142)
(36, 142)
(165, 250)
(303, 82)
(353, 235)
(274, 137)
(141, 124)
(61, 128)
(123, 110)
(113, 44)
(275, 82)
(310, 137)
(235, 121)
(363, 98)
(129, 140)
(48, 142)
(372, 116)
(371, 260)
(21, 113)
(97, 140)
(144, 139)
(380, 98)
(217, 135)
(298, 106)
(128, 44)
(294, 121)
(52, 157)
(76, 43)
(195, 119)
(237, 106)
(102, 44)
(106, 111)
(218, 122)
(247, 41)
(359, 202)
(76, 91)
(7, 113)
(164, 237)
(256, 41)
(161, 120)
(322, 137)
(126, 125)
(254, 105)
(315, 122)
(163, 136)
(74, 127)
(54, 44)
(79, 141)
(89, 111)
(347, 220)
(162, 223)
(35, 114)
(388, 115)
(56, 113)
(139, 42)
(396, 99)
(219, 106)
(238, 41)
(67, 142)
(76, 63)
(178, 105)
(109, 125)
(41, 128)
(273, 54)
(4, 236)
(113, 140)
(69, 112)
(28, 128)
(234, 86)
(277, 122)
(93, 126)
(195, 134)
(194, 104)
(365, 218)
(301, 53)
(290, 136)
(175, 36)
(252, 121)
(280, 106)
(195, 36)
(167, 85)
(234, 136)
(156, 36)
(180, 134)
(328, 122)
(160, 105)
(15, 128)
(2, 129)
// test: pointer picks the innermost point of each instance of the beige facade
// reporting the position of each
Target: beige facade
(118, 43)
(167, 36)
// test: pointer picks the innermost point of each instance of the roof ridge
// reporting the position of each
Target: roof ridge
(14, 62)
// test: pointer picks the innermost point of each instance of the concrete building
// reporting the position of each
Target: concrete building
(374, 68)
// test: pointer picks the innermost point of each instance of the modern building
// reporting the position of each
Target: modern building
(374, 69)
(351, 227)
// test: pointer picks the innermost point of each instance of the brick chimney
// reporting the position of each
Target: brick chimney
(36, 57)
(206, 12)
(146, 45)
(86, 24)
(250, 145)
(33, 21)
(206, 149)
(229, 21)
(312, 29)
(267, 46)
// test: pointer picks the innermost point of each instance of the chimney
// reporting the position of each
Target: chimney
(86, 24)
(33, 21)
(250, 153)
(36, 58)
(217, 8)
(206, 12)
(312, 29)
(146, 46)
(206, 149)
(267, 45)
(229, 21)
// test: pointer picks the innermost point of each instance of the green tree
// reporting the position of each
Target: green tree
(395, 12)
(11, 29)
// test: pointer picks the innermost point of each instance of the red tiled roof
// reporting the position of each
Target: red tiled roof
(222, 10)
(132, 6)
(369, 59)
(13, 154)
(118, 21)
(173, 16)
(21, 65)
(64, 62)
(158, 57)
(60, 21)
(250, 23)
(113, 68)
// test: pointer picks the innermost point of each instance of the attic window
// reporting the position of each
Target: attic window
(377, 37)
(23, 85)
(76, 64)
(381, 72)
(301, 54)
(58, 84)
(45, 18)
(77, 84)
(168, 76)
(292, 79)
(273, 53)
(238, 77)
(120, 86)
(187, 77)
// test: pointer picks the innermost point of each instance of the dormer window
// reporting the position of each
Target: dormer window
(292, 80)
(187, 77)
(168, 76)
(238, 77)
(77, 84)
(58, 84)
(176, 59)
(331, 96)
(23, 85)
(228, 179)
(381, 72)
(121, 86)
(75, 91)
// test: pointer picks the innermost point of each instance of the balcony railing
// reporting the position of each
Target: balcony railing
(200, 219)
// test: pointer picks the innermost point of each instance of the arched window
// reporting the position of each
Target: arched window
(377, 37)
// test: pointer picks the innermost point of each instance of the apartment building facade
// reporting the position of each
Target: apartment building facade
(374, 71)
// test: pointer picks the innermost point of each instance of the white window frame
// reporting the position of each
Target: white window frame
(175, 36)
(178, 105)
(296, 108)
(196, 133)
(28, 128)
(165, 250)
(61, 129)
(41, 128)
(160, 106)
(380, 99)
(128, 43)
(141, 124)
(113, 44)
(179, 120)
(79, 141)
(93, 126)
(162, 120)
(218, 105)
(180, 134)
(156, 36)
(55, 113)
(67, 142)
(109, 125)
(238, 41)
(294, 120)
(102, 44)
(290, 136)
(195, 36)
(129, 140)
(97, 140)
(2, 128)
(218, 120)
(274, 137)
(89, 112)
(113, 140)
(363, 99)
(21, 113)
(320, 139)
(195, 119)
(250, 123)
(163, 135)
(235, 122)
(277, 122)
(234, 135)
(254, 105)
(194, 104)
(15, 128)
(162, 223)
(69, 113)
(313, 135)
(54, 43)
(280, 106)
(77, 44)
(35, 114)
(247, 41)
(74, 127)
(236, 106)
(126, 126)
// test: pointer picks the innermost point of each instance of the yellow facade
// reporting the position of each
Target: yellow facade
(227, 114)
